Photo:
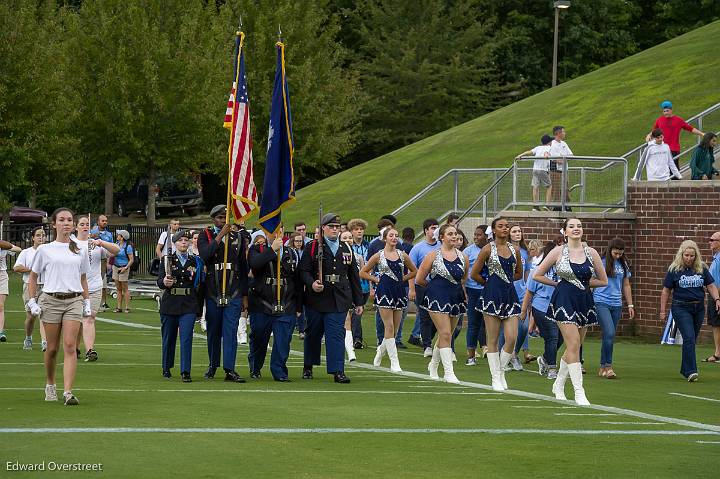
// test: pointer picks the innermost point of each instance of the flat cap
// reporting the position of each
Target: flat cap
(218, 210)
(330, 218)
(181, 234)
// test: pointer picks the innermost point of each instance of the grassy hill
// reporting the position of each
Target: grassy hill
(606, 112)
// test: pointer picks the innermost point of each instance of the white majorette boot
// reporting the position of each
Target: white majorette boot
(349, 349)
(504, 360)
(558, 387)
(446, 358)
(391, 348)
(575, 370)
(434, 363)
(379, 354)
(494, 365)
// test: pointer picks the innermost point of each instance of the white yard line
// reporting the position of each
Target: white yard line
(632, 423)
(584, 414)
(694, 397)
(242, 391)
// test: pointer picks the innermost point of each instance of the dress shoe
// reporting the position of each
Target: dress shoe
(400, 345)
(255, 375)
(307, 373)
(166, 373)
(341, 378)
(415, 341)
(232, 376)
(283, 380)
(358, 345)
(210, 373)
(186, 377)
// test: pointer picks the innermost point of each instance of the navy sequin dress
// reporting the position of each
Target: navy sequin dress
(390, 292)
(444, 292)
(572, 301)
(499, 298)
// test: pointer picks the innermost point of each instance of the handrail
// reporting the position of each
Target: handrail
(484, 194)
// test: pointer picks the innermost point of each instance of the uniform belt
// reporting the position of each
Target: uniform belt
(219, 266)
(274, 282)
(64, 295)
(332, 278)
(180, 291)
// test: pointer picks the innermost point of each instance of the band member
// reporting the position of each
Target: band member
(268, 312)
(332, 286)
(222, 311)
(180, 303)
(22, 265)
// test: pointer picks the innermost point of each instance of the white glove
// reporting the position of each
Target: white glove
(33, 307)
(87, 308)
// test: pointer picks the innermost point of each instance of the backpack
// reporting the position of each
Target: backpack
(135, 266)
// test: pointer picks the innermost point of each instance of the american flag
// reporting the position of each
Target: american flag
(237, 119)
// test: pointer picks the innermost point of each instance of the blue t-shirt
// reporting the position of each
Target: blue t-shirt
(541, 292)
(526, 264)
(121, 259)
(687, 285)
(420, 250)
(105, 235)
(612, 293)
(472, 253)
(715, 269)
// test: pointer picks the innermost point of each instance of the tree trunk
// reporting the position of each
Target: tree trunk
(33, 199)
(151, 195)
(109, 196)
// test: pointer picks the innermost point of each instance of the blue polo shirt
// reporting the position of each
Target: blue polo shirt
(687, 285)
(472, 253)
(541, 292)
(520, 283)
(105, 235)
(715, 269)
(612, 293)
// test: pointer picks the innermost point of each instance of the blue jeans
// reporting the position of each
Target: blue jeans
(418, 324)
(222, 325)
(550, 333)
(609, 317)
(475, 322)
(169, 324)
(689, 318)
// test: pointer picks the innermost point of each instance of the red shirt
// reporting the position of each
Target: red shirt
(671, 130)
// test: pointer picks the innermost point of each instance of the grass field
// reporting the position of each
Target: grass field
(606, 113)
(650, 422)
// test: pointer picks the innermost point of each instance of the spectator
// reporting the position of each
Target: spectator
(541, 170)
(122, 262)
(452, 219)
(360, 246)
(417, 255)
(671, 126)
(559, 148)
(713, 318)
(101, 231)
(301, 228)
(476, 324)
(162, 242)
(408, 236)
(658, 159)
(5, 248)
(703, 158)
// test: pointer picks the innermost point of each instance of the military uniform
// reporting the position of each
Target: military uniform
(326, 311)
(222, 318)
(179, 306)
(265, 316)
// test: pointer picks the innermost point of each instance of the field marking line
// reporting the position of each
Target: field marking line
(544, 407)
(694, 397)
(271, 391)
(510, 400)
(584, 414)
(708, 442)
(332, 430)
(632, 423)
(512, 392)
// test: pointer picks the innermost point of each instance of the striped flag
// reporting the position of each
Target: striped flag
(237, 119)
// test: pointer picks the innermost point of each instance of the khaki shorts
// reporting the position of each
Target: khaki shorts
(56, 310)
(95, 300)
(4, 286)
(540, 178)
(118, 276)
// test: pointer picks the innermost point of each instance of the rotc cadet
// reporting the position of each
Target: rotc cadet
(268, 314)
(222, 312)
(179, 303)
(332, 287)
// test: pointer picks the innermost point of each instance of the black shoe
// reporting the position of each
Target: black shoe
(166, 373)
(358, 345)
(186, 377)
(77, 353)
(210, 373)
(400, 345)
(91, 355)
(341, 378)
(283, 380)
(234, 377)
(255, 375)
(415, 341)
(307, 373)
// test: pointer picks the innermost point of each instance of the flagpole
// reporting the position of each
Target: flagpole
(278, 306)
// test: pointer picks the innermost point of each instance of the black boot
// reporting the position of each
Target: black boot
(234, 377)
(307, 372)
(341, 378)
(210, 373)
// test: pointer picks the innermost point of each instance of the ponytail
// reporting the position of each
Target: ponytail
(74, 248)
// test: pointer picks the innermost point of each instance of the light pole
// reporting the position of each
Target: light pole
(557, 5)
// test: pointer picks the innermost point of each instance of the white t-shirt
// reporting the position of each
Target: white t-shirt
(60, 268)
(162, 241)
(25, 258)
(3, 254)
(541, 165)
(95, 256)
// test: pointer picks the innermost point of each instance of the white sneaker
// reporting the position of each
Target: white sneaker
(27, 344)
(203, 324)
(552, 374)
(43, 345)
(515, 363)
(471, 362)
(693, 377)
(50, 392)
(542, 366)
(427, 353)
(70, 400)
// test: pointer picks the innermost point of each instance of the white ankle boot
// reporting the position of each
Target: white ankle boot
(391, 348)
(446, 358)
(349, 349)
(379, 354)
(575, 370)
(504, 360)
(434, 363)
(494, 365)
(558, 387)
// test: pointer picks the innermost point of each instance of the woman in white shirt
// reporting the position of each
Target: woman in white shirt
(23, 263)
(96, 251)
(63, 302)
(5, 248)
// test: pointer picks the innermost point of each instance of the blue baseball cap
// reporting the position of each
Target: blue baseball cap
(665, 105)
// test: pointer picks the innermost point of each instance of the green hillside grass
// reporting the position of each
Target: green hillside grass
(605, 113)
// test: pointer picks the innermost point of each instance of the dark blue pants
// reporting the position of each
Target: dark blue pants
(169, 324)
(281, 327)
(332, 325)
(356, 321)
(222, 325)
(550, 333)
(427, 327)
(300, 320)
(689, 318)
(475, 322)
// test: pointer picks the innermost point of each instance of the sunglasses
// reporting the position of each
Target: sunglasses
(333, 226)
(713, 239)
